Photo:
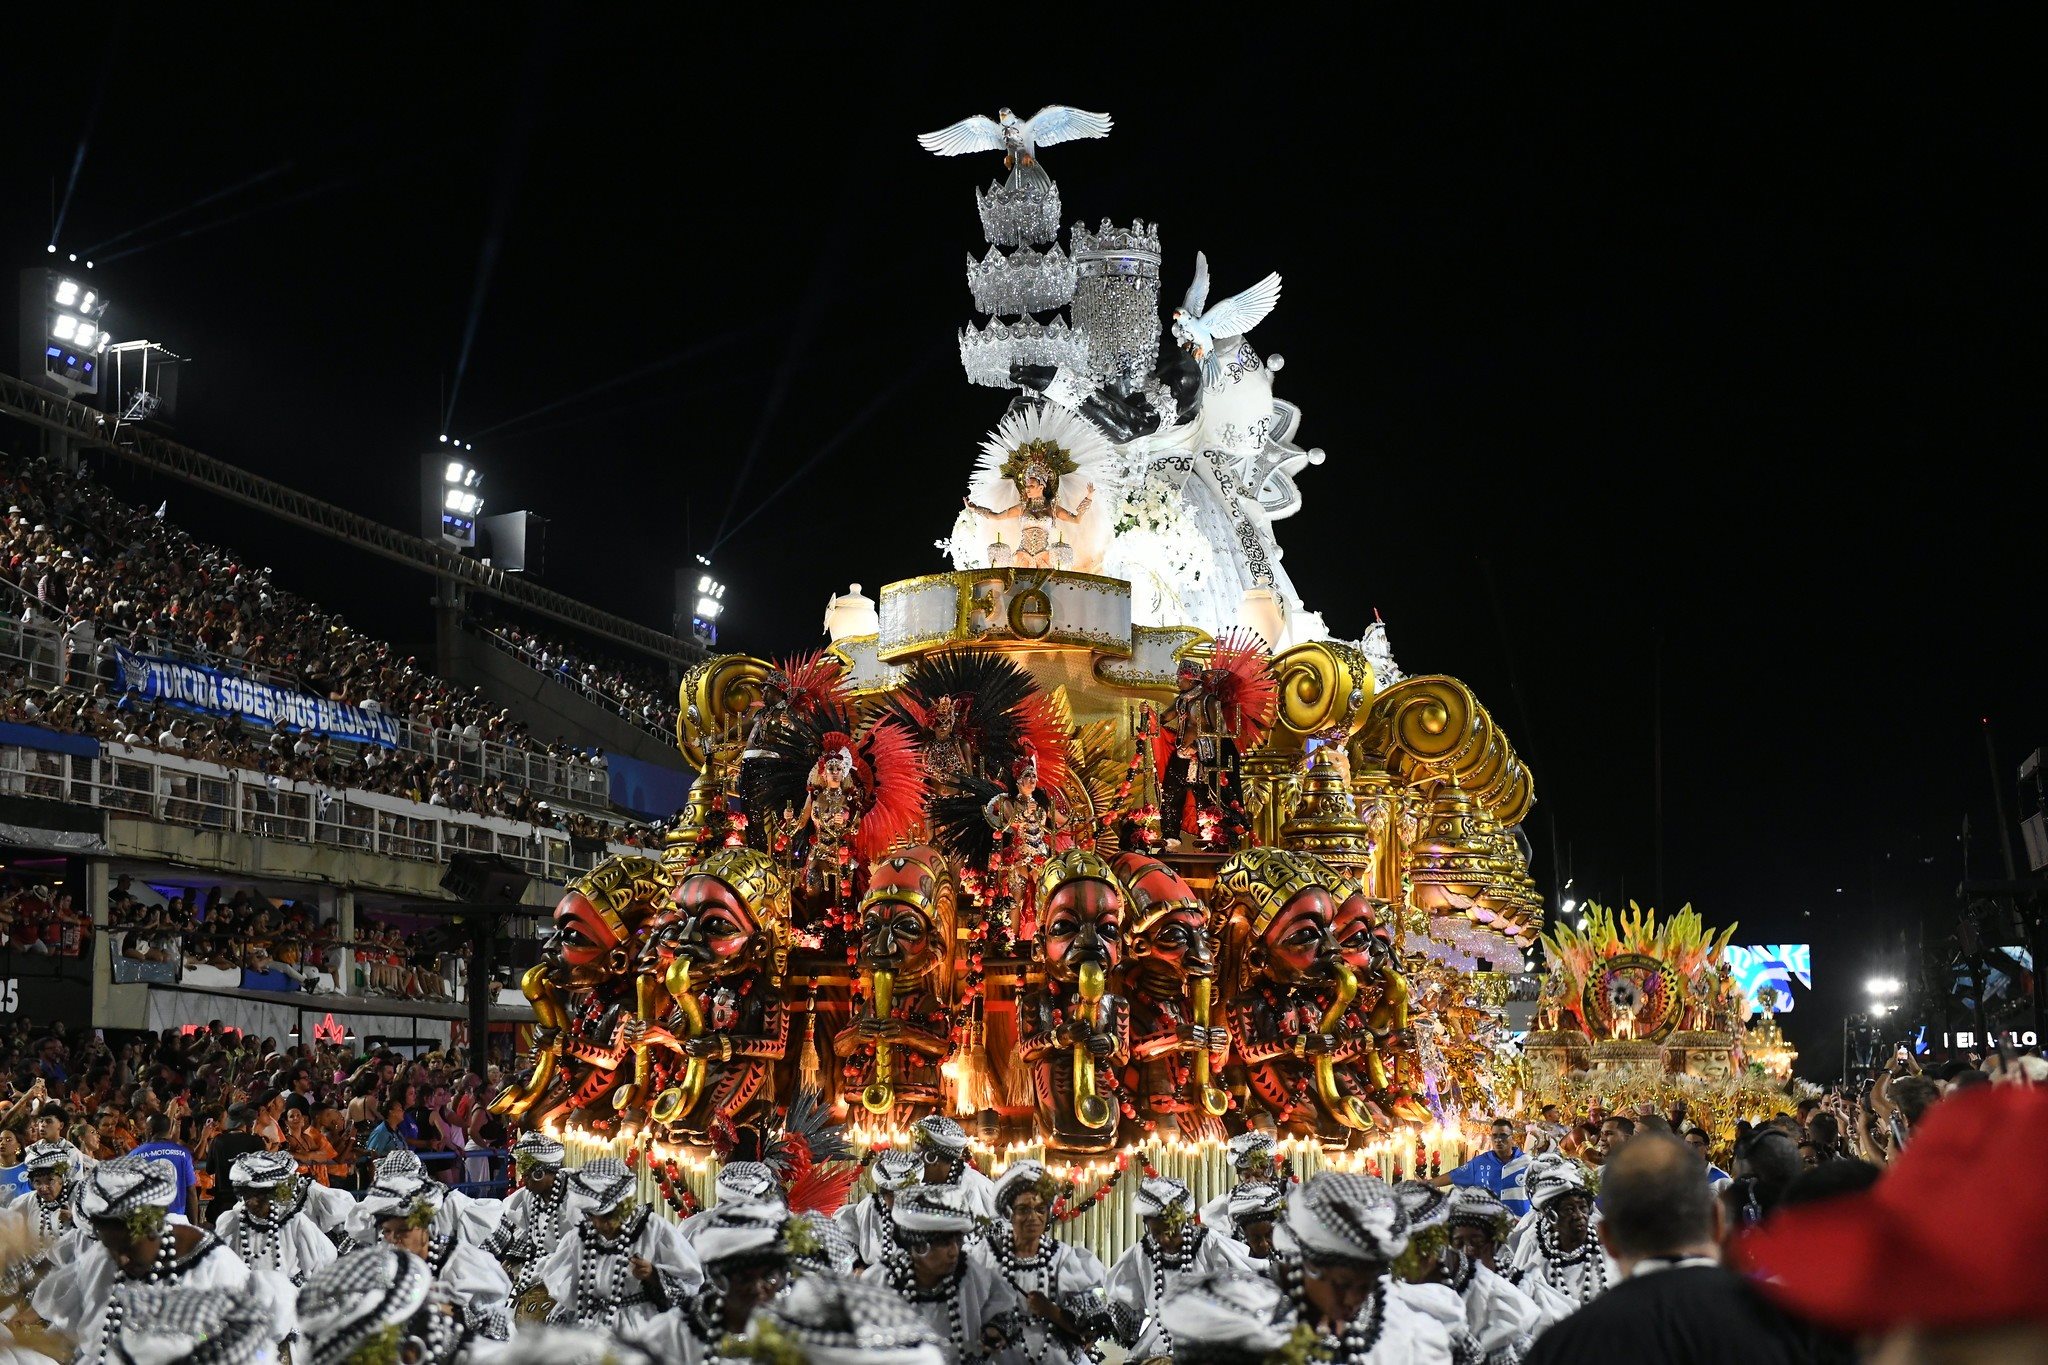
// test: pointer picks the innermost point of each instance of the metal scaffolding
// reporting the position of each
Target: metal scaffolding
(91, 428)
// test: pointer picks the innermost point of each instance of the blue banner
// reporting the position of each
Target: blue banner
(647, 789)
(195, 687)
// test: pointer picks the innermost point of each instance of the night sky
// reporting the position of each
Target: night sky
(1692, 364)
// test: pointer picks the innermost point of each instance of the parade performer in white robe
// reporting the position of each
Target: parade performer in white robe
(376, 1306)
(405, 1218)
(1498, 1320)
(840, 1320)
(44, 1215)
(965, 1302)
(866, 1223)
(126, 1203)
(1560, 1250)
(1227, 1317)
(535, 1216)
(1151, 1266)
(459, 1218)
(1251, 1156)
(737, 1182)
(1065, 1309)
(943, 1145)
(268, 1227)
(746, 1250)
(1479, 1227)
(1331, 1253)
(618, 1265)
(1242, 1238)
(193, 1326)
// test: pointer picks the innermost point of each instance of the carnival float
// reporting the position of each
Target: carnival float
(1095, 839)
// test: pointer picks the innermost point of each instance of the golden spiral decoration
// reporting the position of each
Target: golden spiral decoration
(714, 697)
(1434, 729)
(1325, 686)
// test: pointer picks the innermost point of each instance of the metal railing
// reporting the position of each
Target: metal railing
(38, 646)
(91, 428)
(143, 784)
(558, 671)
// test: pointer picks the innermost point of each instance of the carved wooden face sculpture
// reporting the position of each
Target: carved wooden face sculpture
(713, 926)
(590, 944)
(1362, 942)
(1083, 922)
(1167, 941)
(1299, 943)
(896, 929)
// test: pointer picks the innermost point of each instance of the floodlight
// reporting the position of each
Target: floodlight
(85, 304)
(87, 334)
(444, 438)
(67, 293)
(472, 478)
(456, 469)
(65, 327)
(704, 583)
(708, 608)
(72, 257)
(1571, 903)
(51, 249)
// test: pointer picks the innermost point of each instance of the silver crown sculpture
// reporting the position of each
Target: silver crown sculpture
(1116, 301)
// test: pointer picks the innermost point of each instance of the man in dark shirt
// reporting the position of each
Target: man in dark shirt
(220, 1158)
(1675, 1304)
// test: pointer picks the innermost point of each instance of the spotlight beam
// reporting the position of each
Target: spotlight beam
(198, 203)
(511, 172)
(92, 118)
(866, 415)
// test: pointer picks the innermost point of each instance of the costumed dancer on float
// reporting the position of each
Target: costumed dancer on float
(1061, 1284)
(746, 1250)
(866, 1223)
(1218, 712)
(405, 1218)
(1243, 1239)
(1152, 1267)
(1489, 1319)
(268, 1226)
(1561, 1250)
(1479, 1228)
(620, 1265)
(962, 1299)
(943, 1144)
(127, 1202)
(1331, 1253)
(376, 1306)
(535, 1217)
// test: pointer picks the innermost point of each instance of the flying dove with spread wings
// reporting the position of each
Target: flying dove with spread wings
(1017, 139)
(1197, 326)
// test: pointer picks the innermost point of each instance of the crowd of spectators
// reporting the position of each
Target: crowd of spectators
(36, 917)
(636, 693)
(95, 575)
(216, 1092)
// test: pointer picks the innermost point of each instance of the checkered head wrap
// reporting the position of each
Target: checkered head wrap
(937, 1133)
(370, 1295)
(603, 1184)
(822, 1248)
(742, 1182)
(1342, 1216)
(402, 1199)
(538, 1148)
(738, 1232)
(1553, 1183)
(1160, 1195)
(40, 1157)
(400, 1161)
(262, 1170)
(932, 1208)
(1426, 1205)
(1245, 1145)
(1256, 1200)
(117, 1188)
(1229, 1314)
(162, 1324)
(896, 1169)
(1476, 1207)
(839, 1320)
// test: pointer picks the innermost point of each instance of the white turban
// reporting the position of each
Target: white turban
(1553, 1183)
(1350, 1217)
(1159, 1195)
(896, 1169)
(1229, 1310)
(741, 1182)
(932, 1208)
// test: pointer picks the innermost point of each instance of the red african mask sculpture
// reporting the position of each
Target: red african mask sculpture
(1073, 1033)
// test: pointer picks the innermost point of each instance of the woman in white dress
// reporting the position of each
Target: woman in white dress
(405, 1218)
(1495, 1320)
(747, 1249)
(966, 1303)
(1241, 1237)
(351, 1311)
(1560, 1250)
(268, 1227)
(1331, 1254)
(1151, 1267)
(1480, 1224)
(866, 1224)
(1062, 1286)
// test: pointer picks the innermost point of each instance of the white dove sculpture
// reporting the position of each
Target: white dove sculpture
(1017, 139)
(1197, 326)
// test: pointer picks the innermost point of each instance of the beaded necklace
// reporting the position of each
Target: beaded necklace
(903, 1279)
(1161, 1262)
(159, 1270)
(50, 1215)
(543, 1231)
(1559, 1265)
(1358, 1338)
(589, 1301)
(273, 1243)
(1042, 1267)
